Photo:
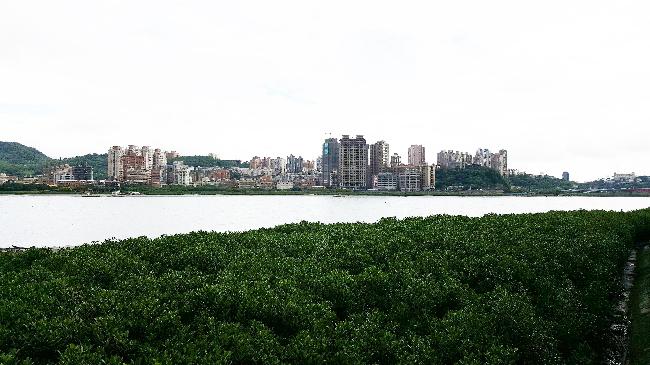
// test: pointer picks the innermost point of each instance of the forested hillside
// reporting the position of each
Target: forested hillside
(478, 177)
(99, 162)
(20, 160)
(472, 177)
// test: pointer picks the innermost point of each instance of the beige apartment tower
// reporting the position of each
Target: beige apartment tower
(416, 155)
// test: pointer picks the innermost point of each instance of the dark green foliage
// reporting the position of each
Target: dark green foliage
(538, 183)
(99, 163)
(471, 177)
(16, 153)
(19, 160)
(513, 289)
(478, 177)
(643, 182)
(34, 188)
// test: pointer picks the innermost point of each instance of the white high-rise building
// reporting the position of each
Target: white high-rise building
(115, 154)
(483, 157)
(147, 153)
(181, 174)
(159, 158)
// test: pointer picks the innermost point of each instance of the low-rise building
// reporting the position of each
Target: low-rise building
(83, 173)
(4, 178)
(266, 182)
(284, 185)
(626, 177)
(386, 181)
(410, 179)
(247, 184)
(178, 174)
(220, 175)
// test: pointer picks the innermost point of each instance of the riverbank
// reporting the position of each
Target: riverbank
(256, 192)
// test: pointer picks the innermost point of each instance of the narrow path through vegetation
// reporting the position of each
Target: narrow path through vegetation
(640, 311)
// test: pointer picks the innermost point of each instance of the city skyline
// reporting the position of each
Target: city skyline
(445, 158)
(562, 86)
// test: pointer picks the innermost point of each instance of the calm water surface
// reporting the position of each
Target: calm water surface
(72, 220)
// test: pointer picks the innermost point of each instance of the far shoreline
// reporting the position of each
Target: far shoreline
(324, 193)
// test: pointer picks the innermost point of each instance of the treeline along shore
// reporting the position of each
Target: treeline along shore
(43, 189)
(499, 289)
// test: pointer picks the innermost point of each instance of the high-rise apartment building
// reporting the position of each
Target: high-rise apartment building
(159, 158)
(483, 157)
(495, 161)
(178, 174)
(255, 163)
(330, 162)
(115, 154)
(158, 168)
(353, 162)
(416, 155)
(134, 167)
(294, 164)
(454, 159)
(428, 177)
(147, 153)
(379, 159)
(565, 176)
(139, 165)
(279, 165)
(499, 162)
(172, 155)
(395, 160)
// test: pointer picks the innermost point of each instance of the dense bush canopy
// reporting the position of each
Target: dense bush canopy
(526, 289)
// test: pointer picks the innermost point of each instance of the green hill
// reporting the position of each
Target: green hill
(472, 177)
(479, 177)
(20, 160)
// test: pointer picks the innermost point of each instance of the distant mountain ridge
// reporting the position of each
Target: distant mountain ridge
(20, 160)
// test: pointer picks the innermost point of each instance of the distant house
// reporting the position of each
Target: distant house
(284, 185)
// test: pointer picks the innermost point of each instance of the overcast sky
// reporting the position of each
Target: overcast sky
(562, 85)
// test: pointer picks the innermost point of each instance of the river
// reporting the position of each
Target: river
(69, 220)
